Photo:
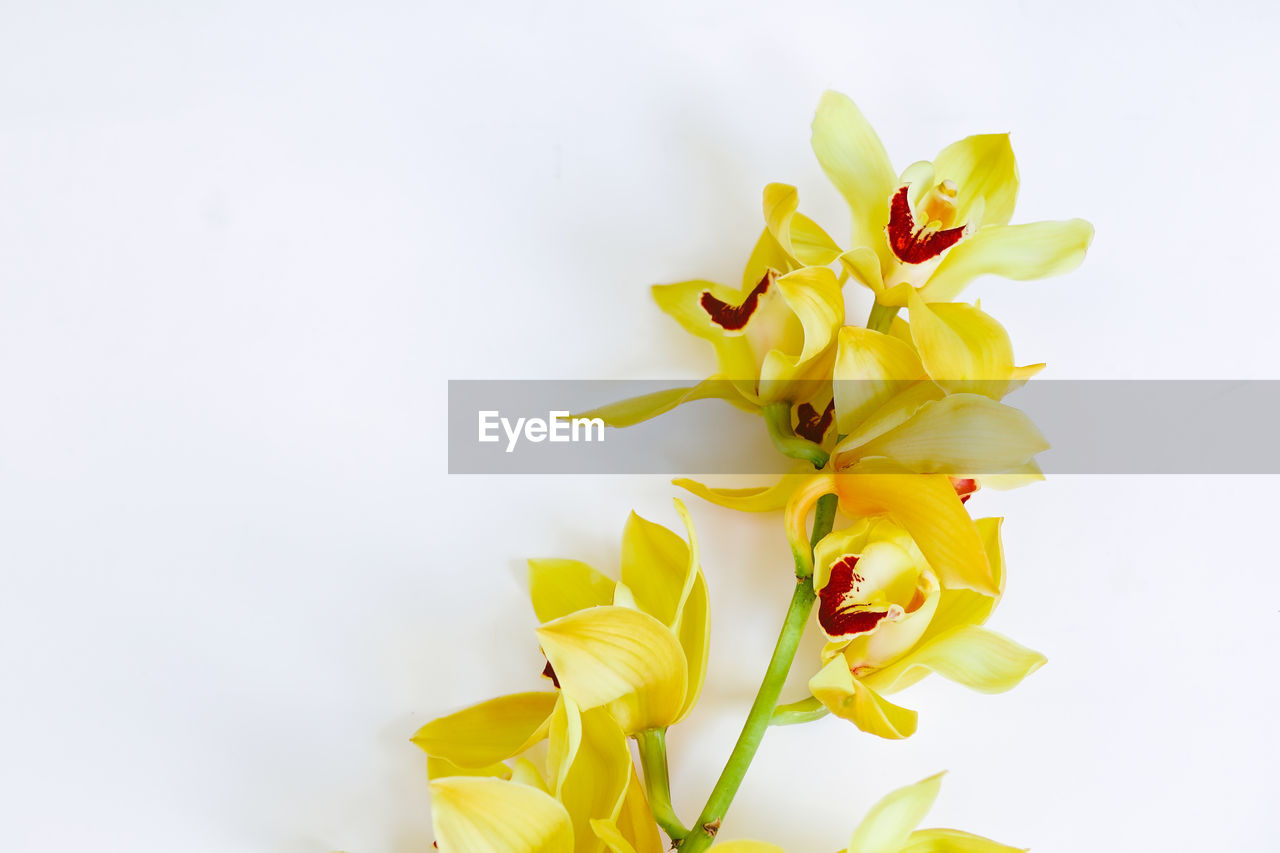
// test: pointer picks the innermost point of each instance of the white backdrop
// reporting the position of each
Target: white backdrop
(243, 246)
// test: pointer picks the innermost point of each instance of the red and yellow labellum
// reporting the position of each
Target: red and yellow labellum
(810, 424)
(734, 318)
(913, 245)
(841, 613)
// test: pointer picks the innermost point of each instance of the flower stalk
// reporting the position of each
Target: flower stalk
(766, 701)
(652, 745)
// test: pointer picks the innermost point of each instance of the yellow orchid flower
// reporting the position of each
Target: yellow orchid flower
(890, 827)
(638, 645)
(890, 620)
(774, 338)
(939, 224)
(590, 800)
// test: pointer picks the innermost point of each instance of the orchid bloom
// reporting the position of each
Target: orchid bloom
(939, 225)
(774, 338)
(922, 426)
(890, 827)
(590, 799)
(890, 620)
(627, 655)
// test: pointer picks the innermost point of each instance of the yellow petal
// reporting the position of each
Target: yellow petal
(438, 768)
(766, 255)
(961, 434)
(871, 368)
(635, 823)
(1020, 252)
(797, 235)
(926, 506)
(855, 161)
(526, 773)
(614, 841)
(984, 172)
(693, 632)
(971, 655)
(963, 348)
(896, 411)
(559, 587)
(683, 302)
(489, 732)
(665, 579)
(848, 698)
(813, 295)
(755, 499)
(620, 658)
(954, 841)
(635, 410)
(747, 847)
(863, 266)
(484, 815)
(890, 822)
(957, 607)
(592, 766)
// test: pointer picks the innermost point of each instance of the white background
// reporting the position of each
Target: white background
(243, 246)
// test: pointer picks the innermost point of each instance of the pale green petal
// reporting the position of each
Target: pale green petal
(489, 732)
(486, 815)
(961, 434)
(1020, 252)
(954, 841)
(971, 655)
(635, 410)
(559, 587)
(755, 499)
(890, 822)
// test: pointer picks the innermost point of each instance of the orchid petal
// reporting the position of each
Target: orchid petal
(971, 655)
(855, 161)
(1020, 252)
(485, 815)
(592, 767)
(635, 410)
(954, 841)
(797, 235)
(925, 505)
(559, 587)
(871, 368)
(488, 732)
(985, 173)
(620, 658)
(848, 698)
(890, 822)
(961, 434)
(754, 499)
(963, 348)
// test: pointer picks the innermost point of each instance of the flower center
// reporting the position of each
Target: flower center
(839, 611)
(913, 245)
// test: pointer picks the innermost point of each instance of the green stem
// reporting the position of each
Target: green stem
(794, 713)
(657, 782)
(881, 318)
(784, 653)
(777, 417)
